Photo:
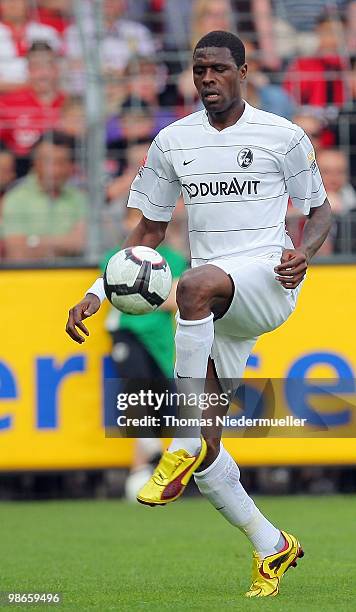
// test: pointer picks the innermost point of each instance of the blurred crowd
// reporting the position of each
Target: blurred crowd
(302, 65)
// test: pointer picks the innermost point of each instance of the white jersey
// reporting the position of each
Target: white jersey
(235, 182)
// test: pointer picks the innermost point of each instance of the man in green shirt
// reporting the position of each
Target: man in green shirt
(43, 216)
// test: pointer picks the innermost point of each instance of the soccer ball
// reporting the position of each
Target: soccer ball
(137, 280)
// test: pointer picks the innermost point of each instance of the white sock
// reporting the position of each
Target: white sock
(149, 446)
(194, 340)
(220, 484)
(191, 445)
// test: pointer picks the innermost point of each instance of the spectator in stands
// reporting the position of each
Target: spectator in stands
(135, 157)
(118, 190)
(260, 92)
(72, 118)
(27, 113)
(319, 80)
(312, 120)
(255, 24)
(346, 126)
(122, 39)
(145, 81)
(333, 166)
(44, 217)
(206, 15)
(294, 23)
(7, 169)
(72, 121)
(252, 18)
(182, 20)
(148, 12)
(136, 125)
(54, 13)
(7, 178)
(312, 124)
(18, 31)
(115, 90)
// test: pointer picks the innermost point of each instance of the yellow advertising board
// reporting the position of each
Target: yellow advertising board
(51, 389)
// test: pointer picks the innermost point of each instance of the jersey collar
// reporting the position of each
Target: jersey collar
(246, 115)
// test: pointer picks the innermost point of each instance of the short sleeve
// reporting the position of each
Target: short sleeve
(302, 176)
(156, 188)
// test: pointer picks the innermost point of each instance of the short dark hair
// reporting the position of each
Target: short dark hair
(228, 40)
(58, 139)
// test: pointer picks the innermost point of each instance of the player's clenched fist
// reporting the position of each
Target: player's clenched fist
(291, 271)
(87, 307)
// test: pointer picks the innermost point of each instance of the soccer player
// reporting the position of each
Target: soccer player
(236, 166)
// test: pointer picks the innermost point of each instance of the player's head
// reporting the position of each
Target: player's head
(219, 67)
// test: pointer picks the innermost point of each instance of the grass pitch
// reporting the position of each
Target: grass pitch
(110, 555)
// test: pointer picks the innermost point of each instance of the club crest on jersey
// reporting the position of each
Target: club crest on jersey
(245, 158)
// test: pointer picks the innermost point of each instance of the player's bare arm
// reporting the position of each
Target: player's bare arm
(294, 262)
(146, 233)
(316, 229)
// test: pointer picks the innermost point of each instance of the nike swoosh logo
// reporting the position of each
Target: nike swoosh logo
(185, 163)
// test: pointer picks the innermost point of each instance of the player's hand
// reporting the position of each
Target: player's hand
(292, 269)
(87, 307)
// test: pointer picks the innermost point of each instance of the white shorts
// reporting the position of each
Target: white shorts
(259, 305)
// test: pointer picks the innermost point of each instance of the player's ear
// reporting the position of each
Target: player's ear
(243, 72)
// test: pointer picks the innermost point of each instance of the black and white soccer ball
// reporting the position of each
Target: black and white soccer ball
(137, 280)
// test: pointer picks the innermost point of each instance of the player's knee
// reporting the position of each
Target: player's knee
(194, 290)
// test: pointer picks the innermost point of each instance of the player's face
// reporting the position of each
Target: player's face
(217, 78)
